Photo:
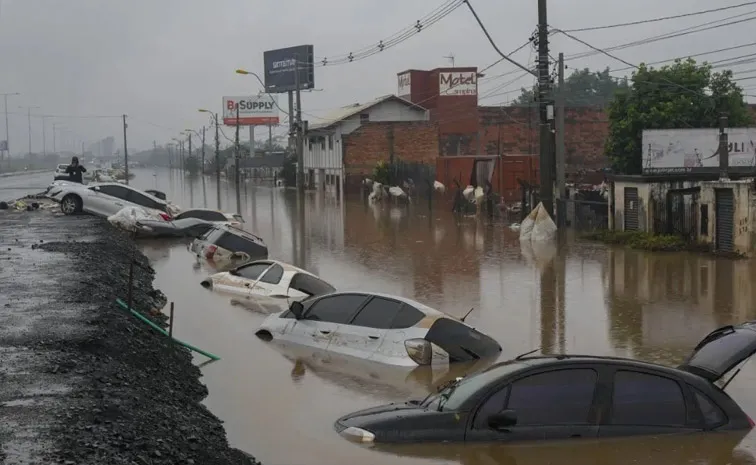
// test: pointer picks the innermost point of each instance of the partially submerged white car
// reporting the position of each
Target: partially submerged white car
(268, 286)
(213, 216)
(382, 328)
(104, 199)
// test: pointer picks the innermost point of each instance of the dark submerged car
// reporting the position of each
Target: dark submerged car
(184, 227)
(571, 396)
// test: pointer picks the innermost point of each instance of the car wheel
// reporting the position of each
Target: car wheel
(71, 204)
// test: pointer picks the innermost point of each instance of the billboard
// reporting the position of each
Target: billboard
(281, 67)
(253, 110)
(458, 84)
(696, 150)
(404, 84)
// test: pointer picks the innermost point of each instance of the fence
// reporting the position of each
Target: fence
(586, 215)
(678, 215)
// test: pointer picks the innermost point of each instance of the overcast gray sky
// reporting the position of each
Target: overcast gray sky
(158, 61)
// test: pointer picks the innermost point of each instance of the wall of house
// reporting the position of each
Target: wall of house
(373, 142)
(743, 232)
(644, 196)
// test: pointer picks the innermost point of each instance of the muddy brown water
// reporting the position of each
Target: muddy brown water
(280, 403)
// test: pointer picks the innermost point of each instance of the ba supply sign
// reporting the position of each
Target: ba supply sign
(253, 110)
(404, 85)
(458, 84)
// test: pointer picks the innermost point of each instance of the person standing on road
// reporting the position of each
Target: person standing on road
(74, 171)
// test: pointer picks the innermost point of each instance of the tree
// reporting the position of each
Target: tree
(582, 88)
(681, 95)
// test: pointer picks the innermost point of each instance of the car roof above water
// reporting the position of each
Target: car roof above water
(430, 311)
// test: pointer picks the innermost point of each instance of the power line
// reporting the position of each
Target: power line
(688, 56)
(679, 33)
(432, 18)
(664, 18)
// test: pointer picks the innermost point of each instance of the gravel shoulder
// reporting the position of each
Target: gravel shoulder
(82, 381)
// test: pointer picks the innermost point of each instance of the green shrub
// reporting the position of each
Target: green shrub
(381, 173)
(640, 240)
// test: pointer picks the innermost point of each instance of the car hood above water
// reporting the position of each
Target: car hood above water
(380, 414)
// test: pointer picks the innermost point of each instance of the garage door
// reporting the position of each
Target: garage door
(725, 218)
(631, 209)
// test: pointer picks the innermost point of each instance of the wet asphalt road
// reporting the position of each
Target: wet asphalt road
(15, 186)
(578, 298)
(280, 403)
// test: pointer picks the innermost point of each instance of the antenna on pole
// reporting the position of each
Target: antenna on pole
(450, 57)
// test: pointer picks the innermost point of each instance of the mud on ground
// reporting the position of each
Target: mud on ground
(82, 381)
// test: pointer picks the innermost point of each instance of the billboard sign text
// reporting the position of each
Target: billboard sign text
(696, 150)
(282, 65)
(404, 85)
(458, 84)
(253, 110)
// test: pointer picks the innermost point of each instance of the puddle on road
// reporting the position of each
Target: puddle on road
(578, 298)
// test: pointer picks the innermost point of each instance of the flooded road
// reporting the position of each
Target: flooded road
(280, 404)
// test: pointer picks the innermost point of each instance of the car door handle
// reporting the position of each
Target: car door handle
(374, 337)
(325, 332)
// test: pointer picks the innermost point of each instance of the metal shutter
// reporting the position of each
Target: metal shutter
(725, 219)
(631, 209)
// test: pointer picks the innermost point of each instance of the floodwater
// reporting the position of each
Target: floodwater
(280, 404)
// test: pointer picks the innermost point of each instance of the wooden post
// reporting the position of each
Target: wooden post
(170, 324)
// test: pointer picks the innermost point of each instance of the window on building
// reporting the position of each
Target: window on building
(322, 143)
(310, 143)
(330, 142)
(364, 117)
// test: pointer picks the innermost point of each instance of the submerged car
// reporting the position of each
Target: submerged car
(186, 227)
(229, 246)
(272, 285)
(213, 216)
(571, 396)
(379, 327)
(104, 199)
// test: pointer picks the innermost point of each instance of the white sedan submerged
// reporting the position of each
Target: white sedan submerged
(382, 328)
(269, 285)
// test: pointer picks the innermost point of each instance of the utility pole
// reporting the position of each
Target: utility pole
(125, 151)
(560, 155)
(217, 160)
(190, 145)
(237, 157)
(300, 141)
(270, 138)
(546, 160)
(44, 137)
(54, 130)
(202, 169)
(291, 120)
(29, 130)
(7, 131)
(724, 152)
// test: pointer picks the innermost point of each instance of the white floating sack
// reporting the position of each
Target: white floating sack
(396, 191)
(437, 186)
(544, 228)
(126, 218)
(469, 193)
(526, 227)
(479, 195)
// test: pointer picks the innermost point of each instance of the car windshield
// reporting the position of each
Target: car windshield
(455, 394)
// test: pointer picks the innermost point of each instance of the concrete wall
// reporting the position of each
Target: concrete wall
(743, 237)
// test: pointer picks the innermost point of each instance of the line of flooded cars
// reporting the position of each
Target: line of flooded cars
(530, 397)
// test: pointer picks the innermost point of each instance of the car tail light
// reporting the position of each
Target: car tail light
(210, 251)
(419, 350)
(750, 422)
(165, 216)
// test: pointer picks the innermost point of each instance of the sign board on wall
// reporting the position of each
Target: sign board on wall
(404, 85)
(696, 150)
(281, 68)
(253, 110)
(458, 84)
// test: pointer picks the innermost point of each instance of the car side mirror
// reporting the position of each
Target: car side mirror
(234, 272)
(297, 309)
(96, 188)
(502, 419)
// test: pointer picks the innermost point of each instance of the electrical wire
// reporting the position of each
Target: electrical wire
(664, 18)
(674, 34)
(432, 18)
(751, 44)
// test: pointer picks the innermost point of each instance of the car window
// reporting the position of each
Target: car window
(115, 191)
(407, 317)
(493, 405)
(274, 275)
(143, 200)
(209, 234)
(641, 399)
(378, 313)
(310, 285)
(457, 395)
(335, 309)
(561, 397)
(713, 416)
(234, 243)
(252, 271)
(206, 215)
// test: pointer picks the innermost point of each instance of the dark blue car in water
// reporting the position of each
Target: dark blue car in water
(569, 397)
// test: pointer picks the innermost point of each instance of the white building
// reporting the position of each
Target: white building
(324, 149)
